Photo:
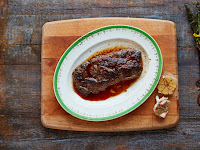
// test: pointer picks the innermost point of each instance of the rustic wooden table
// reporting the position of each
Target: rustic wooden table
(20, 76)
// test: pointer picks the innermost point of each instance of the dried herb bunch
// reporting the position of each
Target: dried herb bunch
(195, 23)
(194, 20)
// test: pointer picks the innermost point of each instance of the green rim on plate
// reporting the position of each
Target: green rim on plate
(121, 113)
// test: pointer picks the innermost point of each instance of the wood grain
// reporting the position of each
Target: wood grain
(21, 26)
(58, 35)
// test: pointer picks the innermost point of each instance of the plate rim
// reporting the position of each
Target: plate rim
(160, 60)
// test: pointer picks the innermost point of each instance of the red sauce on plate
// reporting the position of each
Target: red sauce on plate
(109, 92)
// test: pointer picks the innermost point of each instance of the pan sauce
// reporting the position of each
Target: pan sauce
(110, 91)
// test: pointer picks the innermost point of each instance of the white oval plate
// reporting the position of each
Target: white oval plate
(114, 107)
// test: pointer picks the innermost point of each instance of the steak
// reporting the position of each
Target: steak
(104, 70)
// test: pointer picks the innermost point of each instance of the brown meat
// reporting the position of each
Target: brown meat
(96, 74)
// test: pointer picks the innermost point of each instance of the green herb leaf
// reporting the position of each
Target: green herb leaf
(195, 23)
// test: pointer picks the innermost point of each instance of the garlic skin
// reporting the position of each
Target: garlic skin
(161, 107)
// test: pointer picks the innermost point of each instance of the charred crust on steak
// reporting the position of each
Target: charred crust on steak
(104, 70)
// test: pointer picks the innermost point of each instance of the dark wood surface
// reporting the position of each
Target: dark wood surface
(20, 76)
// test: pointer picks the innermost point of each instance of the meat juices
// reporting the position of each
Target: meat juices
(104, 70)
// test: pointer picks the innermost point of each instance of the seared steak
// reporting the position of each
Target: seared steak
(99, 72)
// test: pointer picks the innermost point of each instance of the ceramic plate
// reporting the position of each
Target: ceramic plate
(99, 39)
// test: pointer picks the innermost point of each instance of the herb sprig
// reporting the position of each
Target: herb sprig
(194, 20)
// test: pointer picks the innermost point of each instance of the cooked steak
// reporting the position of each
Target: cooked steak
(99, 72)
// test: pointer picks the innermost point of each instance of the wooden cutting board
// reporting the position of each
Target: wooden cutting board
(59, 35)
